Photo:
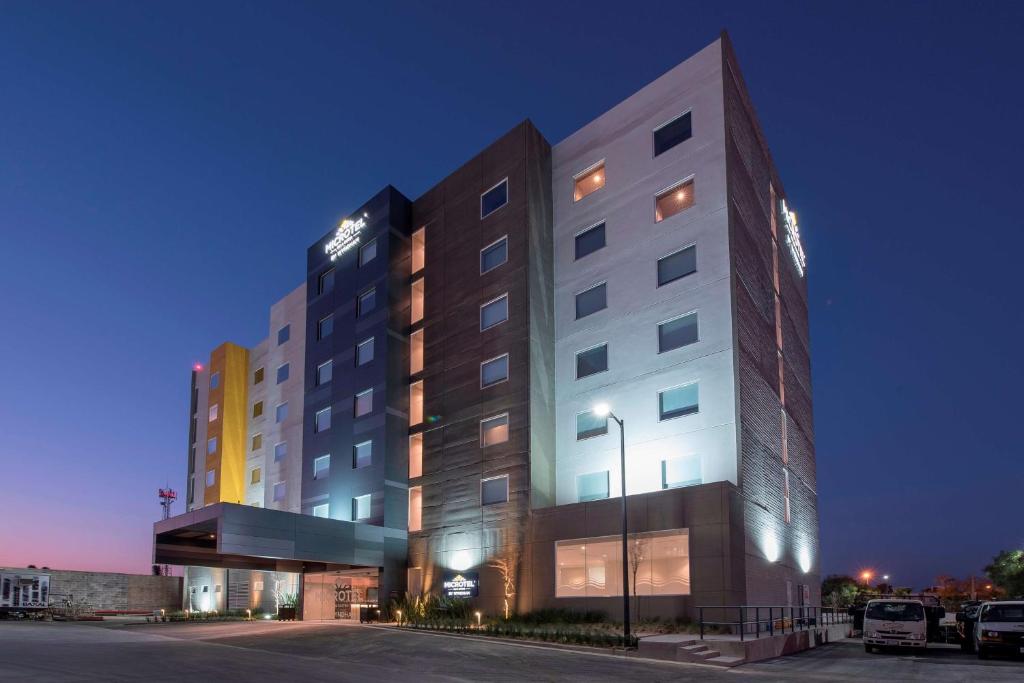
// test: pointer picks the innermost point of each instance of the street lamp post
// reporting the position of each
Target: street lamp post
(602, 410)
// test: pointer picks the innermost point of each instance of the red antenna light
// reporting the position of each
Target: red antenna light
(198, 367)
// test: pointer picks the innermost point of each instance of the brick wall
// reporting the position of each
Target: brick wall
(109, 591)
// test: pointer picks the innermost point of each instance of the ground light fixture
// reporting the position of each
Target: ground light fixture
(478, 615)
(604, 410)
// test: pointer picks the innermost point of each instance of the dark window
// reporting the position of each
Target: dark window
(325, 327)
(589, 424)
(281, 412)
(674, 334)
(367, 252)
(494, 371)
(366, 302)
(257, 376)
(282, 373)
(326, 281)
(494, 199)
(494, 313)
(677, 402)
(284, 334)
(324, 372)
(215, 380)
(677, 265)
(672, 133)
(494, 490)
(364, 352)
(592, 361)
(362, 454)
(322, 420)
(589, 241)
(591, 301)
(493, 256)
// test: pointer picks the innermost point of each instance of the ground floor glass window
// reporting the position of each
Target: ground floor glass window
(592, 567)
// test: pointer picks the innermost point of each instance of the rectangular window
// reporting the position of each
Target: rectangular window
(590, 240)
(282, 373)
(280, 489)
(591, 361)
(494, 312)
(362, 454)
(494, 198)
(324, 372)
(257, 442)
(284, 334)
(415, 456)
(785, 496)
(280, 451)
(677, 402)
(416, 403)
(214, 411)
(364, 403)
(670, 134)
(322, 420)
(679, 472)
(257, 409)
(588, 425)
(419, 250)
(364, 352)
(592, 567)
(673, 200)
(322, 510)
(326, 281)
(494, 371)
(281, 412)
(211, 446)
(211, 478)
(494, 430)
(361, 507)
(367, 252)
(493, 255)
(677, 265)
(416, 302)
(366, 301)
(321, 466)
(588, 181)
(592, 486)
(214, 380)
(591, 301)
(677, 332)
(255, 475)
(325, 327)
(257, 376)
(415, 508)
(416, 352)
(494, 490)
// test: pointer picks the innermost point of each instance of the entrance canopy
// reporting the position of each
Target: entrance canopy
(245, 537)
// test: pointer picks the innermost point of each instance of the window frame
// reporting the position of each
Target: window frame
(370, 341)
(508, 493)
(320, 289)
(508, 198)
(316, 422)
(589, 169)
(503, 238)
(355, 507)
(608, 484)
(329, 318)
(657, 277)
(575, 307)
(255, 476)
(287, 330)
(658, 395)
(257, 409)
(657, 331)
(321, 506)
(603, 222)
(317, 379)
(355, 403)
(497, 416)
(692, 178)
(360, 263)
(287, 373)
(654, 131)
(508, 370)
(355, 460)
(281, 456)
(273, 491)
(591, 436)
(256, 442)
(278, 419)
(360, 313)
(576, 364)
(258, 375)
(508, 312)
(664, 471)
(325, 472)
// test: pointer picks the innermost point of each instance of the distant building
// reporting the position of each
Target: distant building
(420, 417)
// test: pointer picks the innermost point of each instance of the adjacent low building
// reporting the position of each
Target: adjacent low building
(421, 417)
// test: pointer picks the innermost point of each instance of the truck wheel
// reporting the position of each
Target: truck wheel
(867, 648)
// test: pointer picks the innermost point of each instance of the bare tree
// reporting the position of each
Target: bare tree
(637, 552)
(507, 565)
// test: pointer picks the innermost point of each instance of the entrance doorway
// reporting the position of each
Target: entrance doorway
(339, 594)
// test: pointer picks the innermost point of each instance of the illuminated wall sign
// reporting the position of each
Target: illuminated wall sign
(796, 248)
(461, 584)
(345, 237)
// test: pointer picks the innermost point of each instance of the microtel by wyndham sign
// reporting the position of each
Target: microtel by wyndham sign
(796, 247)
(345, 237)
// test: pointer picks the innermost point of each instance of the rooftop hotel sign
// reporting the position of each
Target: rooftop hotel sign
(345, 237)
(796, 247)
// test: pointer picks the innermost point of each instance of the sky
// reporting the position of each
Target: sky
(163, 167)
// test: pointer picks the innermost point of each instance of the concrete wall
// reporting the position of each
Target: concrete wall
(110, 591)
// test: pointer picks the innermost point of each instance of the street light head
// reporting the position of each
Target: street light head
(602, 410)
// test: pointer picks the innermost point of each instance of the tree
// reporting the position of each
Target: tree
(839, 590)
(637, 550)
(1007, 572)
(508, 566)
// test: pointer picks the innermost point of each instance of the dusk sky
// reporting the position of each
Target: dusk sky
(163, 167)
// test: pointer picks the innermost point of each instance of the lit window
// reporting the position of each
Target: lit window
(257, 376)
(494, 312)
(364, 352)
(677, 333)
(282, 373)
(415, 403)
(415, 456)
(679, 472)
(321, 466)
(415, 508)
(322, 420)
(592, 486)
(592, 300)
(324, 372)
(493, 255)
(255, 475)
(785, 496)
(592, 567)
(679, 401)
(214, 410)
(281, 412)
(257, 409)
(366, 301)
(280, 451)
(325, 327)
(361, 507)
(367, 252)
(494, 490)
(494, 371)
(257, 442)
(588, 181)
(670, 134)
(211, 446)
(677, 265)
(364, 403)
(673, 200)
(322, 510)
(590, 240)
(494, 430)
(494, 198)
(211, 478)
(419, 250)
(279, 491)
(215, 380)
(591, 361)
(362, 454)
(284, 334)
(416, 302)
(416, 352)
(589, 424)
(326, 281)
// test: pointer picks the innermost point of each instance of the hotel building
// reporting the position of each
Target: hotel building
(439, 368)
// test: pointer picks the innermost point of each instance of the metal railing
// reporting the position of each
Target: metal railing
(758, 620)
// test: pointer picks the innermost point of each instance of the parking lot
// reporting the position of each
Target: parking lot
(308, 651)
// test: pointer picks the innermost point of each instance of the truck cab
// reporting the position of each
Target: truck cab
(1000, 628)
(895, 622)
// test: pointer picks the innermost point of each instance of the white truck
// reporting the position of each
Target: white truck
(1000, 628)
(895, 622)
(23, 591)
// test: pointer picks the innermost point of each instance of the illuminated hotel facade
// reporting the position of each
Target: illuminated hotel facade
(444, 356)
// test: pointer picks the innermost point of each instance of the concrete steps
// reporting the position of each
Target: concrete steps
(683, 648)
